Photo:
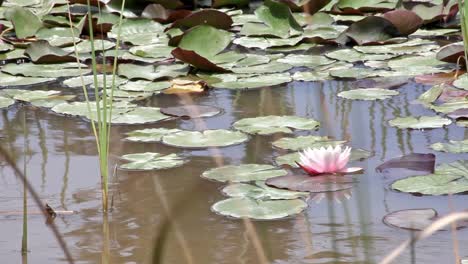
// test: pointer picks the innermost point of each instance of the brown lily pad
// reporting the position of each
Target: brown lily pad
(191, 111)
(160, 14)
(414, 162)
(191, 57)
(453, 53)
(314, 184)
(369, 30)
(407, 22)
(210, 17)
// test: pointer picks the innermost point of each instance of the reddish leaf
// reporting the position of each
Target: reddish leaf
(453, 53)
(438, 78)
(413, 161)
(196, 60)
(405, 21)
(210, 17)
(160, 14)
(305, 183)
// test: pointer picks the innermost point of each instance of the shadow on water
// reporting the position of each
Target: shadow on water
(165, 216)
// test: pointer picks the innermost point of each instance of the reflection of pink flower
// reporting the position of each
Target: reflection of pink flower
(326, 160)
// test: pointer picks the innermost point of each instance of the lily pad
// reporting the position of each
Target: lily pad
(421, 122)
(149, 134)
(267, 125)
(191, 111)
(310, 61)
(156, 51)
(255, 81)
(25, 22)
(431, 95)
(369, 30)
(211, 17)
(151, 72)
(261, 191)
(139, 32)
(8, 80)
(204, 139)
(145, 86)
(6, 102)
(461, 82)
(45, 70)
(369, 94)
(316, 184)
(242, 207)
(302, 142)
(410, 47)
(449, 178)
(279, 18)
(412, 219)
(453, 146)
(89, 80)
(264, 43)
(151, 161)
(352, 55)
(243, 173)
(42, 52)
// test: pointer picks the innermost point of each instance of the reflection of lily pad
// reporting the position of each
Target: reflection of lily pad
(266, 125)
(316, 184)
(149, 134)
(151, 161)
(243, 173)
(447, 178)
(205, 139)
(412, 219)
(421, 122)
(258, 209)
(368, 94)
(261, 191)
(301, 142)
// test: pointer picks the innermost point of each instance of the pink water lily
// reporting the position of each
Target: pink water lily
(323, 160)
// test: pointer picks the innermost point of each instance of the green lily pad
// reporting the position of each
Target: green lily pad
(25, 22)
(267, 125)
(431, 95)
(151, 72)
(417, 64)
(358, 73)
(302, 142)
(4, 47)
(352, 55)
(191, 111)
(369, 30)
(145, 86)
(8, 80)
(206, 41)
(152, 161)
(449, 178)
(242, 207)
(279, 18)
(254, 82)
(264, 43)
(42, 52)
(45, 70)
(421, 122)
(369, 94)
(89, 80)
(139, 32)
(450, 106)
(290, 159)
(6, 102)
(310, 61)
(157, 51)
(85, 46)
(453, 146)
(272, 67)
(261, 191)
(321, 73)
(204, 139)
(461, 82)
(410, 47)
(243, 173)
(13, 55)
(149, 134)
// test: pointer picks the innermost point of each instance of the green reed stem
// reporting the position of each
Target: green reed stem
(24, 240)
(463, 9)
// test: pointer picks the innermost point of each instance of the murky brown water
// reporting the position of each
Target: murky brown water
(165, 217)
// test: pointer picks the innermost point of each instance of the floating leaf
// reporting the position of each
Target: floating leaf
(45, 70)
(431, 95)
(149, 134)
(209, 17)
(352, 55)
(279, 18)
(409, 47)
(453, 53)
(411, 219)
(461, 82)
(151, 161)
(6, 102)
(310, 61)
(368, 94)
(254, 82)
(180, 86)
(8, 80)
(258, 209)
(150, 72)
(405, 21)
(302, 142)
(421, 122)
(85, 46)
(25, 22)
(453, 146)
(42, 52)
(145, 86)
(139, 32)
(267, 125)
(156, 51)
(264, 43)
(89, 80)
(316, 184)
(449, 178)
(450, 106)
(261, 191)
(191, 111)
(413, 161)
(205, 139)
(243, 173)
(371, 29)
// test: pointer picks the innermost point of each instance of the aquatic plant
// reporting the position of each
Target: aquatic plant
(322, 160)
(463, 22)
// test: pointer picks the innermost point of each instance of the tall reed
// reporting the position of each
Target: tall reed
(100, 110)
(463, 8)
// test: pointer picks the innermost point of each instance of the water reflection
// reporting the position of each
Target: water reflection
(165, 216)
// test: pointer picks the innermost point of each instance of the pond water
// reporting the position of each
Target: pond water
(165, 217)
